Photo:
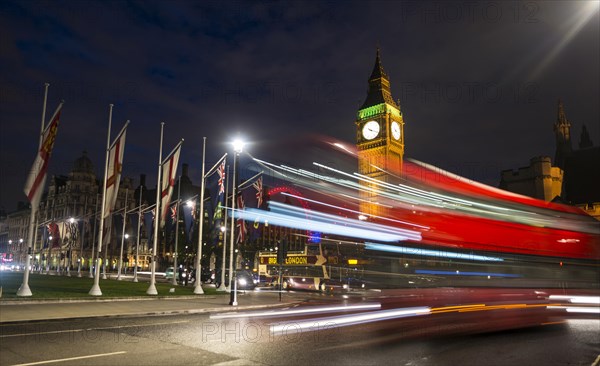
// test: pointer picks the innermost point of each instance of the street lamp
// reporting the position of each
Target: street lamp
(21, 248)
(69, 251)
(238, 145)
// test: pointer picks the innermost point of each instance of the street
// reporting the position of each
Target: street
(248, 339)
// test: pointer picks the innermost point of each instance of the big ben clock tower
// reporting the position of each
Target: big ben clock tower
(379, 138)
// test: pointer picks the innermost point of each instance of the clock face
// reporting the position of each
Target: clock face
(370, 130)
(396, 130)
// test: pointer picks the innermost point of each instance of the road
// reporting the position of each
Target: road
(210, 339)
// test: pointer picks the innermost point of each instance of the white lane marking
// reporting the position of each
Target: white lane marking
(72, 358)
(88, 329)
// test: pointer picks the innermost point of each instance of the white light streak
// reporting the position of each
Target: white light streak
(577, 299)
(299, 311)
(288, 217)
(577, 309)
(429, 252)
(326, 323)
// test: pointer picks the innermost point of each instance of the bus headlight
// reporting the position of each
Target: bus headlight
(242, 282)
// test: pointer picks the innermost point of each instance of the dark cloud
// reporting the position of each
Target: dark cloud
(476, 81)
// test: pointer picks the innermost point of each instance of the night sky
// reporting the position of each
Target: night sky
(478, 83)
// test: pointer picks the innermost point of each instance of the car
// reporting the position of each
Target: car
(245, 279)
(169, 273)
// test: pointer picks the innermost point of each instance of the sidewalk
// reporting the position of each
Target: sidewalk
(25, 311)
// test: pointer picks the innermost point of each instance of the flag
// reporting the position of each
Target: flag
(172, 222)
(241, 224)
(169, 170)
(259, 191)
(218, 208)
(113, 173)
(149, 224)
(106, 232)
(174, 213)
(54, 232)
(34, 186)
(221, 172)
(46, 236)
(189, 216)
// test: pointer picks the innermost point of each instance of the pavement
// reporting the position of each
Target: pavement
(15, 311)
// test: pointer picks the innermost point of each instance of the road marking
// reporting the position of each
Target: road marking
(88, 329)
(71, 358)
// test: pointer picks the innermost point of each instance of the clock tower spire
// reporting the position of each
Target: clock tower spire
(379, 138)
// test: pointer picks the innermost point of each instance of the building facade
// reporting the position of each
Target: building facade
(574, 178)
(540, 179)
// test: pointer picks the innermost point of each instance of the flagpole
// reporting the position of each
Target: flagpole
(174, 280)
(198, 289)
(123, 235)
(24, 290)
(222, 287)
(95, 290)
(91, 274)
(80, 259)
(152, 288)
(137, 244)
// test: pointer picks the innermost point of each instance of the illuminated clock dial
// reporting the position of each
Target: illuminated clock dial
(370, 130)
(396, 130)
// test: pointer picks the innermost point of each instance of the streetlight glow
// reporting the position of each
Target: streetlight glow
(189, 203)
(238, 145)
(71, 220)
(126, 236)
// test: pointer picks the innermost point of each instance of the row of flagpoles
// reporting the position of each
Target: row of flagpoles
(167, 169)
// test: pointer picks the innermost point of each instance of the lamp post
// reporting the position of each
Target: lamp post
(174, 279)
(21, 250)
(238, 145)
(137, 242)
(71, 222)
(123, 236)
(222, 286)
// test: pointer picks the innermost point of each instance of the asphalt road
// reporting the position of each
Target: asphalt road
(208, 339)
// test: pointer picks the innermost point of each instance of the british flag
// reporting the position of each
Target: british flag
(221, 172)
(241, 224)
(174, 213)
(259, 191)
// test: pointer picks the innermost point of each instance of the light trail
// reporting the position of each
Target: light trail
(328, 224)
(72, 358)
(430, 253)
(300, 311)
(577, 299)
(326, 323)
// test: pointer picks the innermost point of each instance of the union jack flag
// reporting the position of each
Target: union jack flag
(174, 212)
(259, 191)
(221, 172)
(241, 224)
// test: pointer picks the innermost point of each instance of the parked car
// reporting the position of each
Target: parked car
(169, 273)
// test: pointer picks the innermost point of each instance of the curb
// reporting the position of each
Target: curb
(11, 302)
(157, 313)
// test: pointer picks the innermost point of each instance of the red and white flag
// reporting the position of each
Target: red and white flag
(34, 187)
(113, 174)
(169, 171)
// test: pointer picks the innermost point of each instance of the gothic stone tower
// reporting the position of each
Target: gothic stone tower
(562, 130)
(379, 138)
